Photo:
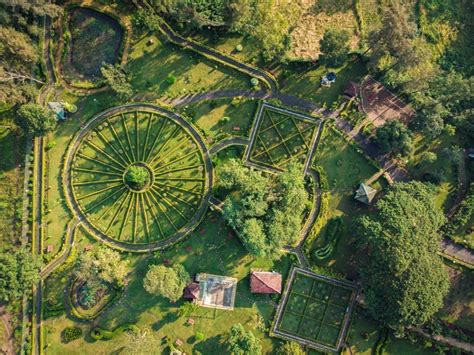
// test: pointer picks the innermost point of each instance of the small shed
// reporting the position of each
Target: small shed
(365, 194)
(191, 292)
(267, 282)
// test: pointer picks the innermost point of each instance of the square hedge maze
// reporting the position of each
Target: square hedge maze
(280, 135)
(315, 310)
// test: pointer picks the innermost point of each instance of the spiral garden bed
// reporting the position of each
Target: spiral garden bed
(139, 176)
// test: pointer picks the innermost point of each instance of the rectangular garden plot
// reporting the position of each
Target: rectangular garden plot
(279, 136)
(315, 310)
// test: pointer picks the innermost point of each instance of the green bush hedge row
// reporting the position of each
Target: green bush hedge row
(104, 334)
(71, 333)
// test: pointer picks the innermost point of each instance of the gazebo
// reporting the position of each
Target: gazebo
(365, 194)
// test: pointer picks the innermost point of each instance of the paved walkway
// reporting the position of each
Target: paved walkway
(227, 143)
(467, 347)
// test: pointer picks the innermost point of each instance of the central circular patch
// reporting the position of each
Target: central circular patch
(139, 177)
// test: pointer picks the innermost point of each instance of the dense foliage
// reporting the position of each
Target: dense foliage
(19, 270)
(102, 264)
(334, 47)
(137, 177)
(395, 138)
(404, 279)
(265, 211)
(35, 119)
(242, 342)
(118, 80)
(71, 333)
(165, 281)
(290, 348)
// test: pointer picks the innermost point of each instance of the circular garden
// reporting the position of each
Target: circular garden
(139, 176)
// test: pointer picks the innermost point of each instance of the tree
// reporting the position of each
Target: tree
(290, 348)
(168, 282)
(137, 177)
(102, 264)
(395, 138)
(17, 58)
(266, 212)
(267, 21)
(403, 277)
(147, 20)
(19, 270)
(35, 119)
(241, 342)
(335, 46)
(117, 80)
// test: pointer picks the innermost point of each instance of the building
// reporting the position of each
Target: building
(267, 282)
(365, 194)
(191, 292)
(216, 291)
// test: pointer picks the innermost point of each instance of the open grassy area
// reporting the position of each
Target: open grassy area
(212, 248)
(219, 119)
(179, 72)
(11, 182)
(345, 168)
(304, 80)
(95, 39)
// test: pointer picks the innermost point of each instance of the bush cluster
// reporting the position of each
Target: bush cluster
(71, 333)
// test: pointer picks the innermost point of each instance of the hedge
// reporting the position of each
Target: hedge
(71, 333)
(331, 238)
(104, 334)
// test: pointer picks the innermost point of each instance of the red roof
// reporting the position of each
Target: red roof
(351, 89)
(265, 282)
(192, 291)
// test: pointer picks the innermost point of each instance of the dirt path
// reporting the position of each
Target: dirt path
(9, 347)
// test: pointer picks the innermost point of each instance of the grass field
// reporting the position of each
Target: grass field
(304, 80)
(281, 137)
(11, 183)
(95, 39)
(212, 248)
(219, 119)
(192, 73)
(345, 168)
(315, 309)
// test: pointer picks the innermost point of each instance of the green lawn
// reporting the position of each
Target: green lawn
(210, 117)
(304, 80)
(211, 248)
(345, 168)
(151, 63)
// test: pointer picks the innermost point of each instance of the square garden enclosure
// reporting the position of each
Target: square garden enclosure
(279, 136)
(315, 310)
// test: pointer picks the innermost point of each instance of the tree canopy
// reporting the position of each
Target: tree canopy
(394, 137)
(35, 119)
(242, 342)
(404, 279)
(18, 55)
(102, 264)
(335, 46)
(19, 270)
(266, 211)
(168, 282)
(118, 80)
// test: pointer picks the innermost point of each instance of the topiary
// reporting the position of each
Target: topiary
(171, 79)
(71, 333)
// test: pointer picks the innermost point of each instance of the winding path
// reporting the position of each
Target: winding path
(227, 143)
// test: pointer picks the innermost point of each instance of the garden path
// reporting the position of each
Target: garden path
(8, 348)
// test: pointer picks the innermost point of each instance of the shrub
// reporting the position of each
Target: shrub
(254, 82)
(171, 79)
(199, 336)
(239, 48)
(71, 333)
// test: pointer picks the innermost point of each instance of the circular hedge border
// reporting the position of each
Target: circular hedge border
(103, 237)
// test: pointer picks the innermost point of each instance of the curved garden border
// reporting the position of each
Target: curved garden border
(122, 52)
(113, 243)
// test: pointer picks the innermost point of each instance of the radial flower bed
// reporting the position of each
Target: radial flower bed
(139, 177)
